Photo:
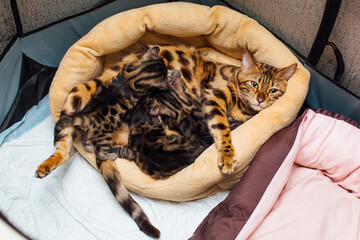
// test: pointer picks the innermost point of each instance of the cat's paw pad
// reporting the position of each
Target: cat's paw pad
(228, 168)
(43, 170)
(227, 163)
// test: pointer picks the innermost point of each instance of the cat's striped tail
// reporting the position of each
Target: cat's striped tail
(112, 177)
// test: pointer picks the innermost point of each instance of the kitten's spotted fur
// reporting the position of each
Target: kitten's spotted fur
(96, 109)
(181, 135)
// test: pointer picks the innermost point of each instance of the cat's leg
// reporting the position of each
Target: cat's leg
(80, 95)
(113, 179)
(215, 116)
(63, 144)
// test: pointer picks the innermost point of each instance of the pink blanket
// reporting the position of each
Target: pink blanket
(304, 183)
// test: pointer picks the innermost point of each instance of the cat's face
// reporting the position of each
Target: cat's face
(261, 91)
(261, 85)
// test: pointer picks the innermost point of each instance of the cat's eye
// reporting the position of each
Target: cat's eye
(254, 84)
(273, 90)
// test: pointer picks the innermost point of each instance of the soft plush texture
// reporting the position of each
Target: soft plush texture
(308, 189)
(218, 27)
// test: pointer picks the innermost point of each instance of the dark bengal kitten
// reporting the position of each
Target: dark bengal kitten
(111, 98)
(180, 135)
(226, 91)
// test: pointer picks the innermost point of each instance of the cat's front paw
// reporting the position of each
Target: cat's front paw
(44, 169)
(227, 162)
(106, 153)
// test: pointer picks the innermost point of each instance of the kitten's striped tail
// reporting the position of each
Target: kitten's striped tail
(112, 177)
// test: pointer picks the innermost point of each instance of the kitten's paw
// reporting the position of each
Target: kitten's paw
(127, 152)
(227, 163)
(44, 169)
(228, 168)
(106, 153)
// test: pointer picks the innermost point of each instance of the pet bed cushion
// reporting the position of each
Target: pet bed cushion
(185, 23)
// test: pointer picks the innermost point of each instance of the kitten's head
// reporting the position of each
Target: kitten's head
(260, 84)
(175, 102)
(145, 72)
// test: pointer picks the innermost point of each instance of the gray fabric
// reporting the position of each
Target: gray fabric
(35, 14)
(297, 23)
(10, 69)
(49, 45)
(7, 24)
(346, 35)
(327, 95)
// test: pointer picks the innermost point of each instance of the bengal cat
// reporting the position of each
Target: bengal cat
(226, 91)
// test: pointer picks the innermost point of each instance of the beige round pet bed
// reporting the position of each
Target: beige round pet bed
(184, 23)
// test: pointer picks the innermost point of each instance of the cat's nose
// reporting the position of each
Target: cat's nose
(260, 98)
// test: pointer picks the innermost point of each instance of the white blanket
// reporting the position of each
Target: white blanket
(74, 202)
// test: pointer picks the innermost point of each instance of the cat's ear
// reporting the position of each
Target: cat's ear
(157, 110)
(174, 77)
(248, 64)
(287, 72)
(154, 51)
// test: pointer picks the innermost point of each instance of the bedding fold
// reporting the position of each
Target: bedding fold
(332, 146)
